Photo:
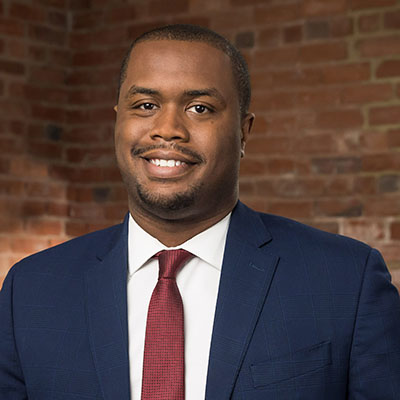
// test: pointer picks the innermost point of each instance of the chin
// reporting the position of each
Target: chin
(168, 203)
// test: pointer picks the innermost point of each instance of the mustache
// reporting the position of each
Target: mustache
(137, 151)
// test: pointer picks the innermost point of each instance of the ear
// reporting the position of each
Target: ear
(246, 126)
(115, 108)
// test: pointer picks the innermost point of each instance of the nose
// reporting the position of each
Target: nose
(169, 125)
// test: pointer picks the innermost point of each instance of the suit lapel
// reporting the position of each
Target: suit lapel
(106, 308)
(247, 271)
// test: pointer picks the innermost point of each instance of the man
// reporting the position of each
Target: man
(273, 309)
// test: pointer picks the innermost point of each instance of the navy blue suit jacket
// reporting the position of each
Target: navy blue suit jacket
(301, 314)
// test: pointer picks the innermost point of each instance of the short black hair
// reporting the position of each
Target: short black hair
(195, 33)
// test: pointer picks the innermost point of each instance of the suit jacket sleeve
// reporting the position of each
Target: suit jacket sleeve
(375, 353)
(12, 385)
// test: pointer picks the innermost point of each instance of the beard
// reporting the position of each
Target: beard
(165, 203)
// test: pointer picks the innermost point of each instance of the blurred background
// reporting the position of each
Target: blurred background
(326, 93)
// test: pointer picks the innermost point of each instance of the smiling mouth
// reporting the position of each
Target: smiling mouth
(163, 163)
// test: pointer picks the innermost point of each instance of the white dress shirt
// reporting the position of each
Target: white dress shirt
(198, 284)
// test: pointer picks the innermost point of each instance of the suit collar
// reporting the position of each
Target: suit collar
(247, 272)
(106, 310)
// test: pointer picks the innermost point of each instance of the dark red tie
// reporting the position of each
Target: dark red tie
(164, 356)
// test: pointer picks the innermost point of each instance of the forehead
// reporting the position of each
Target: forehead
(178, 63)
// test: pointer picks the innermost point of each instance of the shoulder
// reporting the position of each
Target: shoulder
(71, 257)
(310, 241)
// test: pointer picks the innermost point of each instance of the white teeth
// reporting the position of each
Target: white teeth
(166, 163)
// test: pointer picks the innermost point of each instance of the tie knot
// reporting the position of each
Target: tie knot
(170, 261)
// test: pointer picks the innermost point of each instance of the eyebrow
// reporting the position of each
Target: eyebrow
(140, 90)
(210, 92)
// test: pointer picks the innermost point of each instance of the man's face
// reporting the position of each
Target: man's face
(179, 133)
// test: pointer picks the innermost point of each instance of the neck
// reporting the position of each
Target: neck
(174, 232)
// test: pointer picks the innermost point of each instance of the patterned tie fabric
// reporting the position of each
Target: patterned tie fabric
(164, 358)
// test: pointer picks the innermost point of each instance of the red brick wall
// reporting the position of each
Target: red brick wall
(326, 84)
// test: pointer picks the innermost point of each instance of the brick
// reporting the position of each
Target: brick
(45, 190)
(55, 114)
(47, 35)
(332, 227)
(361, 4)
(391, 253)
(28, 245)
(341, 26)
(10, 225)
(269, 144)
(245, 40)
(59, 57)
(293, 34)
(317, 29)
(16, 48)
(96, 57)
(295, 78)
(382, 206)
(273, 57)
(317, 98)
(27, 12)
(12, 67)
(299, 187)
(99, 155)
(104, 37)
(374, 142)
(338, 186)
(339, 208)
(324, 7)
(115, 212)
(251, 167)
(388, 183)
(11, 27)
(392, 20)
(365, 230)
(47, 75)
(290, 208)
(384, 115)
(379, 46)
(369, 23)
(339, 119)
(48, 151)
(57, 19)
(11, 187)
(44, 227)
(269, 37)
(262, 101)
(346, 73)
(389, 68)
(277, 14)
(395, 230)
(363, 94)
(365, 185)
(336, 165)
(160, 7)
(279, 166)
(312, 144)
(78, 228)
(55, 3)
(393, 138)
(24, 167)
(87, 211)
(118, 14)
(380, 162)
(87, 20)
(323, 52)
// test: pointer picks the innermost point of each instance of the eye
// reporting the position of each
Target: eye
(199, 109)
(146, 106)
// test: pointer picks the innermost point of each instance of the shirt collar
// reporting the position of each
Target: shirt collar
(208, 245)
